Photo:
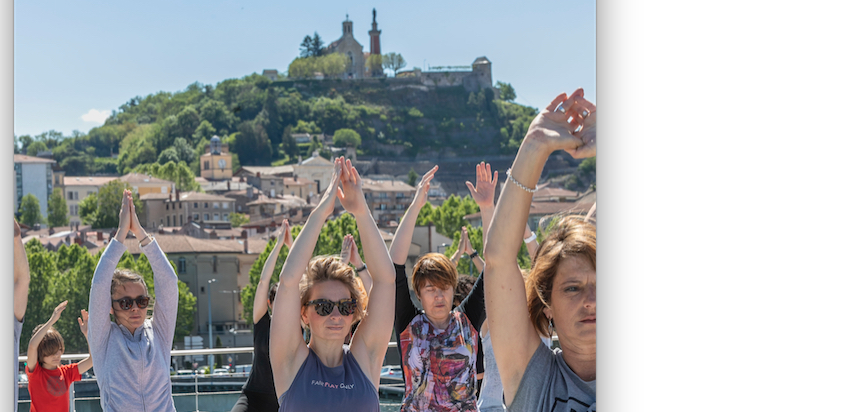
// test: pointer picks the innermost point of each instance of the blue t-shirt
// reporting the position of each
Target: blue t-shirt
(319, 388)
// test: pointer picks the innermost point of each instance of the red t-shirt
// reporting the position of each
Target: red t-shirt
(49, 389)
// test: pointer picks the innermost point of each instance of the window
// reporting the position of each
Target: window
(167, 206)
(173, 206)
(207, 216)
(202, 292)
(225, 205)
(214, 260)
(175, 220)
(70, 196)
(272, 183)
(206, 205)
(182, 265)
(195, 216)
(195, 204)
(226, 217)
(207, 165)
(216, 205)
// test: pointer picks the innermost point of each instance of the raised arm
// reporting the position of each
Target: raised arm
(100, 288)
(532, 243)
(87, 363)
(459, 252)
(512, 334)
(32, 348)
(349, 254)
(371, 338)
(483, 193)
(288, 350)
(403, 237)
(165, 282)
(21, 273)
(478, 262)
(260, 302)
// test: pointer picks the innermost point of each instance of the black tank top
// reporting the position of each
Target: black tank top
(261, 377)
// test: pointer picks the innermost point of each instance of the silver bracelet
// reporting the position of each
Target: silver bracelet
(517, 183)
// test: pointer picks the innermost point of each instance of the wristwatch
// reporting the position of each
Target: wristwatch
(474, 254)
(362, 268)
(149, 236)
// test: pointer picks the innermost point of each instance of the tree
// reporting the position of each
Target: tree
(347, 138)
(218, 359)
(333, 64)
(87, 208)
(185, 151)
(289, 145)
(34, 148)
(373, 64)
(412, 177)
(168, 155)
(30, 212)
(312, 46)
(507, 92)
(57, 211)
(302, 67)
(181, 175)
(253, 144)
(393, 61)
(108, 200)
(238, 219)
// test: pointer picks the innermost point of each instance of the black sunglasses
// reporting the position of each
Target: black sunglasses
(324, 307)
(126, 302)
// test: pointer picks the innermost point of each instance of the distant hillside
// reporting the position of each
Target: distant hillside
(256, 117)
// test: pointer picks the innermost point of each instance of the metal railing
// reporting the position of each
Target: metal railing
(180, 352)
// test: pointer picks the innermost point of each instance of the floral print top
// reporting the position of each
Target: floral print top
(439, 365)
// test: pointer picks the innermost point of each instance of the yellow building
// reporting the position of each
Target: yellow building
(217, 164)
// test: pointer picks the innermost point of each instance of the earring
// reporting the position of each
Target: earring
(550, 328)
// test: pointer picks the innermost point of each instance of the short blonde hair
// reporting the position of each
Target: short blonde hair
(569, 236)
(121, 276)
(325, 268)
(436, 268)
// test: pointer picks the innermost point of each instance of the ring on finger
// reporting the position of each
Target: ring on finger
(560, 109)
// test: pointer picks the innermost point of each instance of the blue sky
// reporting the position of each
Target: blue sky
(76, 60)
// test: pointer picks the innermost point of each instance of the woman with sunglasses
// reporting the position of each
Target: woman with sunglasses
(258, 392)
(131, 356)
(325, 375)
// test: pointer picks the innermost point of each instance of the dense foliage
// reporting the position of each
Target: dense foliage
(255, 118)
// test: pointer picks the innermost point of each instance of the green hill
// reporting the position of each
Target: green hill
(256, 118)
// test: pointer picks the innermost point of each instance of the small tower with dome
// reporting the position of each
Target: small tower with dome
(216, 164)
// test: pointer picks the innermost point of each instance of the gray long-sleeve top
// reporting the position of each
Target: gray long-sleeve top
(132, 369)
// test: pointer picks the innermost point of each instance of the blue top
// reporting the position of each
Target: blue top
(319, 388)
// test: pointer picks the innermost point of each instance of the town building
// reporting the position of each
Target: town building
(33, 175)
(176, 208)
(76, 188)
(387, 199)
(217, 163)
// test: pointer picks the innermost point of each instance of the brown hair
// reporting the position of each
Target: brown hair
(325, 268)
(50, 344)
(272, 293)
(569, 236)
(463, 289)
(436, 268)
(122, 276)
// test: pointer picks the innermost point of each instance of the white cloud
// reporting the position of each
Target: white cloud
(96, 116)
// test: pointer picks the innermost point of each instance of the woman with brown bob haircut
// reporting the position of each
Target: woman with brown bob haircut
(438, 343)
(561, 287)
(326, 375)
